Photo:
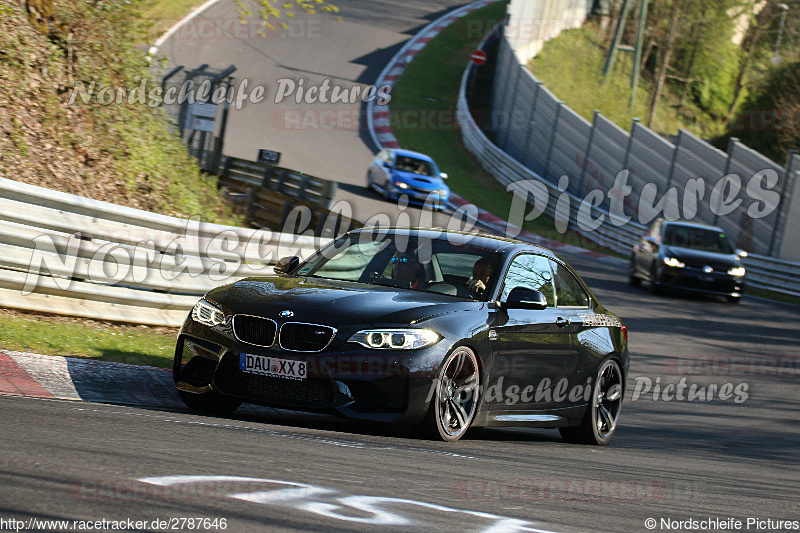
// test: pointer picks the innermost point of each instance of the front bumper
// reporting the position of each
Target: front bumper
(420, 196)
(376, 385)
(696, 280)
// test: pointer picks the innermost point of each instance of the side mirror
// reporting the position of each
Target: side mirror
(387, 164)
(443, 175)
(286, 265)
(652, 241)
(740, 252)
(523, 298)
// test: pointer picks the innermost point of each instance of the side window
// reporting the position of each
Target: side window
(569, 292)
(532, 272)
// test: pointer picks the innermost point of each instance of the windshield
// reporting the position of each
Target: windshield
(405, 262)
(707, 240)
(417, 166)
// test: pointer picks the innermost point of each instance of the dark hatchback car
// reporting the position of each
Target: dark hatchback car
(436, 330)
(688, 256)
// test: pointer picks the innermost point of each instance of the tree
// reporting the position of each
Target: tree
(769, 120)
(758, 31)
(668, 47)
(706, 58)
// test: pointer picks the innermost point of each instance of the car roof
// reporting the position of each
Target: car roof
(411, 153)
(500, 244)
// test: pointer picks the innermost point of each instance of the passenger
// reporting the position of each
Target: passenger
(481, 273)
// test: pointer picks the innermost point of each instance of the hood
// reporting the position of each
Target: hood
(418, 180)
(332, 302)
(700, 258)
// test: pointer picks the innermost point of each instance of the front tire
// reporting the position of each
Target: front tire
(600, 420)
(211, 402)
(455, 398)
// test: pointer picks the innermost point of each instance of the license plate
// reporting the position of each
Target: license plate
(272, 366)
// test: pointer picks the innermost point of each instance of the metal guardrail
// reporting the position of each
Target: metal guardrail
(275, 197)
(773, 274)
(296, 185)
(69, 255)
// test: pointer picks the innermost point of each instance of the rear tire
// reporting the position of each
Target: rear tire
(455, 398)
(600, 420)
(211, 402)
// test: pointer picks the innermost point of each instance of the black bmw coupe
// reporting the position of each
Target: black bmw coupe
(438, 330)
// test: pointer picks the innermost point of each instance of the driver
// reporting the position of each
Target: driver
(481, 272)
(407, 270)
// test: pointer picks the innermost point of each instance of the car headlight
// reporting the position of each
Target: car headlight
(207, 313)
(401, 185)
(396, 339)
(672, 262)
(442, 192)
(736, 271)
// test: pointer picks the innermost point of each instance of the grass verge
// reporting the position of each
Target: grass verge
(771, 295)
(165, 13)
(104, 341)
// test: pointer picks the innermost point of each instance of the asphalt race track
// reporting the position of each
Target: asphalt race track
(732, 455)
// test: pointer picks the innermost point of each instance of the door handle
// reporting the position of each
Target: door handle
(563, 322)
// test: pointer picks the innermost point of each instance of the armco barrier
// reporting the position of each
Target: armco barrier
(773, 274)
(276, 197)
(70, 255)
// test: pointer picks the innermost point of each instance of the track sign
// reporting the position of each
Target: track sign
(200, 116)
(479, 57)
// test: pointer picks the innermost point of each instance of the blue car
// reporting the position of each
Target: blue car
(396, 173)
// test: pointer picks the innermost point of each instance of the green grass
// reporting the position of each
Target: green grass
(165, 13)
(571, 66)
(771, 295)
(138, 345)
